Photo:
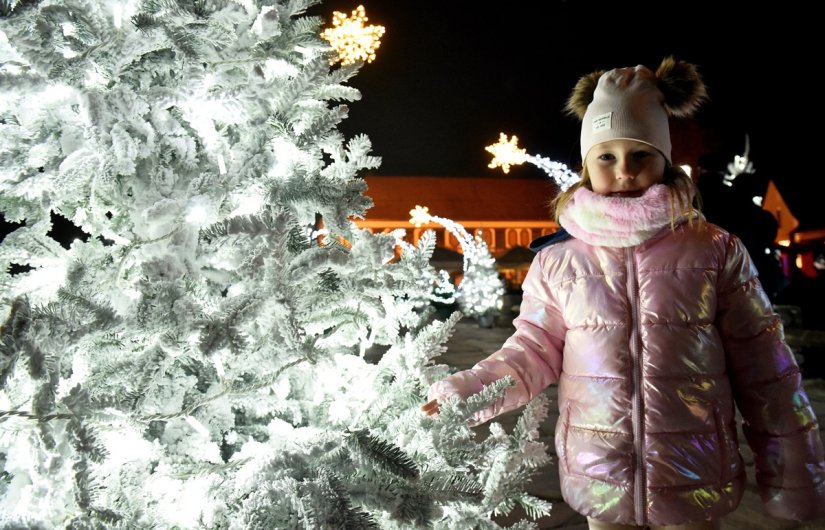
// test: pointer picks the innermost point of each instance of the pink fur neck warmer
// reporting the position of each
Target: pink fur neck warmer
(607, 221)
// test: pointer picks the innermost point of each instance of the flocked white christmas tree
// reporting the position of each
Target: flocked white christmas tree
(226, 349)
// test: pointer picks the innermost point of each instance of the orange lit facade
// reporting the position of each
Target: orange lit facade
(508, 213)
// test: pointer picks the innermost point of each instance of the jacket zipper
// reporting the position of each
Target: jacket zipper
(640, 492)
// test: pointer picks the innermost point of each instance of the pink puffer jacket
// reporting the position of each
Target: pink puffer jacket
(650, 346)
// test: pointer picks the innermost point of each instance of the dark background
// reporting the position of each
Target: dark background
(450, 75)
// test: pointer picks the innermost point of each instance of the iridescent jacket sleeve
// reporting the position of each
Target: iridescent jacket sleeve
(778, 421)
(532, 355)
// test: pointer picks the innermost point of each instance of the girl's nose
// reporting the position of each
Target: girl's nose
(624, 170)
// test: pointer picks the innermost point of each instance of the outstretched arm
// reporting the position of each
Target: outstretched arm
(532, 356)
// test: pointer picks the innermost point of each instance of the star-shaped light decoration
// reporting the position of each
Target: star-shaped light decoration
(351, 39)
(420, 216)
(506, 153)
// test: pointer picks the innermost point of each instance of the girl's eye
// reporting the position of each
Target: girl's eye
(606, 157)
(642, 154)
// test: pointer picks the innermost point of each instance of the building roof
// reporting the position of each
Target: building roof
(460, 198)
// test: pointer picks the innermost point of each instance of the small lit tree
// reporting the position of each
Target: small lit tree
(480, 290)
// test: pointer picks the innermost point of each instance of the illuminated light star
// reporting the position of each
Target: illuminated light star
(351, 39)
(420, 216)
(506, 153)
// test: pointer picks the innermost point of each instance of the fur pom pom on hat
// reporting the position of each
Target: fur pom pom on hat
(635, 103)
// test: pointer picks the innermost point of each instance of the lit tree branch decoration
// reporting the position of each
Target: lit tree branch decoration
(351, 39)
(479, 293)
(506, 153)
(740, 164)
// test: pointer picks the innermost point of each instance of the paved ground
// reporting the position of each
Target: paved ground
(470, 343)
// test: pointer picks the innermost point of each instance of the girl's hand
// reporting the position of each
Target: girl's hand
(431, 407)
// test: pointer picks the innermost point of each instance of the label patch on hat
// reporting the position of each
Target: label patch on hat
(603, 122)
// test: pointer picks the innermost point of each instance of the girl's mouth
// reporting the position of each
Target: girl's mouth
(633, 193)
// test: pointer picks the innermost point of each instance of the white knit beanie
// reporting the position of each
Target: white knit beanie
(635, 103)
(627, 105)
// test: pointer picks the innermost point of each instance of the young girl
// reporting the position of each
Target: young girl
(653, 324)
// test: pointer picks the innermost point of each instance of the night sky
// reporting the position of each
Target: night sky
(450, 75)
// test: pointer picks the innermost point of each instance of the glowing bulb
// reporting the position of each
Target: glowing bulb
(53, 93)
(339, 410)
(506, 153)
(219, 367)
(221, 165)
(687, 169)
(197, 426)
(248, 204)
(235, 289)
(95, 78)
(196, 215)
(351, 39)
(117, 15)
(258, 25)
(278, 68)
(125, 445)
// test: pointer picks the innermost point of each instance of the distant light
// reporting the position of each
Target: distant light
(687, 169)
(351, 39)
(757, 200)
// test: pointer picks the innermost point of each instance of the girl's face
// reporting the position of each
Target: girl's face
(624, 168)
